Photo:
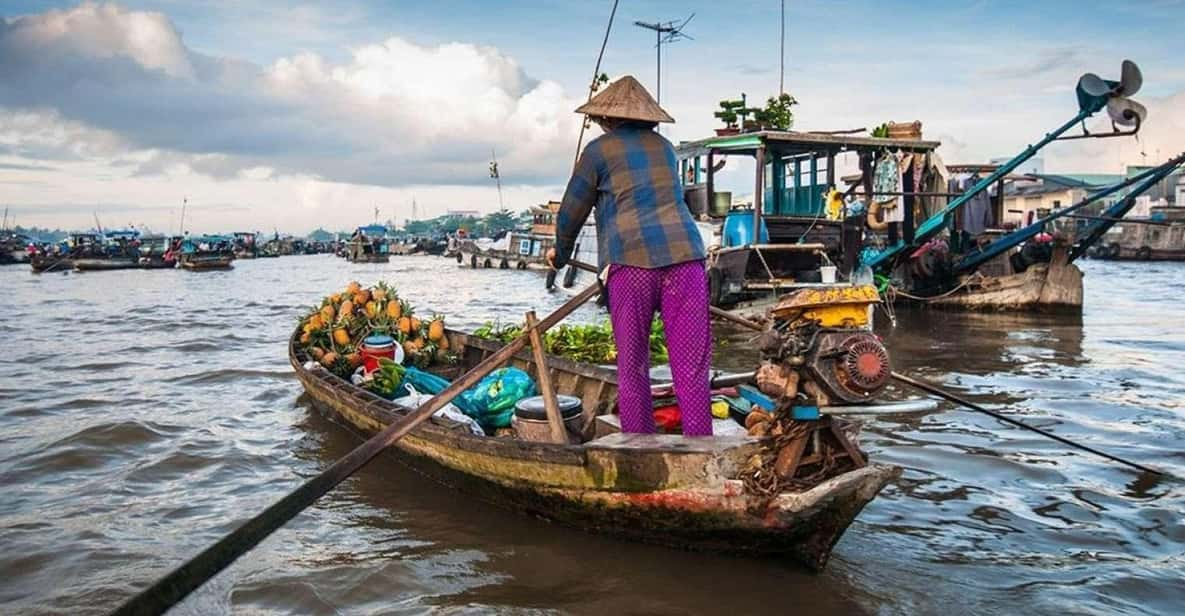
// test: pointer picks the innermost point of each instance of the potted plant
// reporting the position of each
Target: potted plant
(775, 116)
(728, 114)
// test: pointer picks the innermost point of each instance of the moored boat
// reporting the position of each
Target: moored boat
(369, 244)
(209, 252)
(667, 489)
(50, 263)
(206, 261)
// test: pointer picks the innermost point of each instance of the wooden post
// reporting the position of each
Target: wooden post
(711, 180)
(554, 421)
(758, 194)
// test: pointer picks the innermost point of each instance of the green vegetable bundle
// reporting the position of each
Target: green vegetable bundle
(591, 343)
(386, 379)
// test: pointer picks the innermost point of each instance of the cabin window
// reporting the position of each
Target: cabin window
(1154, 235)
(1042, 212)
(1057, 204)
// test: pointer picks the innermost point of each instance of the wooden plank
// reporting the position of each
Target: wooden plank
(554, 421)
(790, 457)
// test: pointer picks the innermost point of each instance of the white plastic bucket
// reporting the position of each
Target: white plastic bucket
(827, 274)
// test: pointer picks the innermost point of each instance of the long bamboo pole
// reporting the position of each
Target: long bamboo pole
(175, 586)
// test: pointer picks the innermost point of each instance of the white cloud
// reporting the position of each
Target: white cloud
(392, 114)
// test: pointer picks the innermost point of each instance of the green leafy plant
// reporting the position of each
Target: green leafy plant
(591, 343)
(777, 114)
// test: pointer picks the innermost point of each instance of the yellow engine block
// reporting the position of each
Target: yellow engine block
(840, 306)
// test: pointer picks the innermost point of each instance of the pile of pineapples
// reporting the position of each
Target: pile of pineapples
(333, 331)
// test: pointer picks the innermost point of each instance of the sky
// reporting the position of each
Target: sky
(270, 115)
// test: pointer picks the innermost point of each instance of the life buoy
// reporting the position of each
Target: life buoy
(504, 264)
(473, 261)
(1144, 253)
(872, 222)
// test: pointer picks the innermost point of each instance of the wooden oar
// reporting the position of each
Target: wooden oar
(928, 388)
(175, 586)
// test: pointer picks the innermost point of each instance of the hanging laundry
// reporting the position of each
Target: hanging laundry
(977, 211)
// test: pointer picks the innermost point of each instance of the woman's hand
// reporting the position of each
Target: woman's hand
(551, 258)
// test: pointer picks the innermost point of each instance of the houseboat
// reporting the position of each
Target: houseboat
(517, 249)
(1158, 237)
(799, 229)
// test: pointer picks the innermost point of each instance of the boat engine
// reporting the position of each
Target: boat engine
(821, 345)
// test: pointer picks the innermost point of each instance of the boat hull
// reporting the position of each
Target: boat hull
(207, 262)
(99, 265)
(370, 258)
(51, 264)
(653, 488)
(1040, 288)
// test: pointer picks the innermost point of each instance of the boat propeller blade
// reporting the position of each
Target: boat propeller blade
(1093, 85)
(1130, 78)
(1126, 112)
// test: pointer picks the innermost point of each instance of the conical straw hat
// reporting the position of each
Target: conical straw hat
(625, 99)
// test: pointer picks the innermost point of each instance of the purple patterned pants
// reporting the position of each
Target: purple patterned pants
(680, 294)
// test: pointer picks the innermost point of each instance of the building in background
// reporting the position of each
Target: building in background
(1039, 195)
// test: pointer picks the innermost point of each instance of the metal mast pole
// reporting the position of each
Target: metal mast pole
(782, 54)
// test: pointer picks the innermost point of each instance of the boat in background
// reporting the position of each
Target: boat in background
(245, 246)
(158, 252)
(369, 244)
(207, 252)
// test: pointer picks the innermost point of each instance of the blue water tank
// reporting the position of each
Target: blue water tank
(738, 229)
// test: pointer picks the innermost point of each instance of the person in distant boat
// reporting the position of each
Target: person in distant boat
(650, 249)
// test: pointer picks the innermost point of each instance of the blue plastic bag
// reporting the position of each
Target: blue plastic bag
(491, 402)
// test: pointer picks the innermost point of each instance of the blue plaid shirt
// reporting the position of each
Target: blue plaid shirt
(630, 175)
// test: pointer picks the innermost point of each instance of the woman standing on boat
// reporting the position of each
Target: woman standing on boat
(651, 254)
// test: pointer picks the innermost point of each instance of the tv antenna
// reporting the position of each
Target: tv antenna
(665, 32)
(494, 173)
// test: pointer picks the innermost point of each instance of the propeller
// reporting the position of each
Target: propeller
(1093, 85)
(1094, 93)
(1130, 79)
(1126, 112)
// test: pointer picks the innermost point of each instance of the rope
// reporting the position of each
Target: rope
(894, 290)
(592, 86)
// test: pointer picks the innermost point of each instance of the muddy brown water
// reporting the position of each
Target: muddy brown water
(144, 414)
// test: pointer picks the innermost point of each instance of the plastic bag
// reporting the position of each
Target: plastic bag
(492, 400)
(448, 411)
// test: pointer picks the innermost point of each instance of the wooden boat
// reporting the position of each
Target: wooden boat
(662, 489)
(200, 261)
(1055, 286)
(51, 263)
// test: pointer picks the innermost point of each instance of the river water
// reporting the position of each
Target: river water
(144, 414)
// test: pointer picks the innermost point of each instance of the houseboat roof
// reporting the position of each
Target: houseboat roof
(792, 142)
(373, 229)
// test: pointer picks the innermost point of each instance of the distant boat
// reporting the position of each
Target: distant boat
(207, 252)
(369, 245)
